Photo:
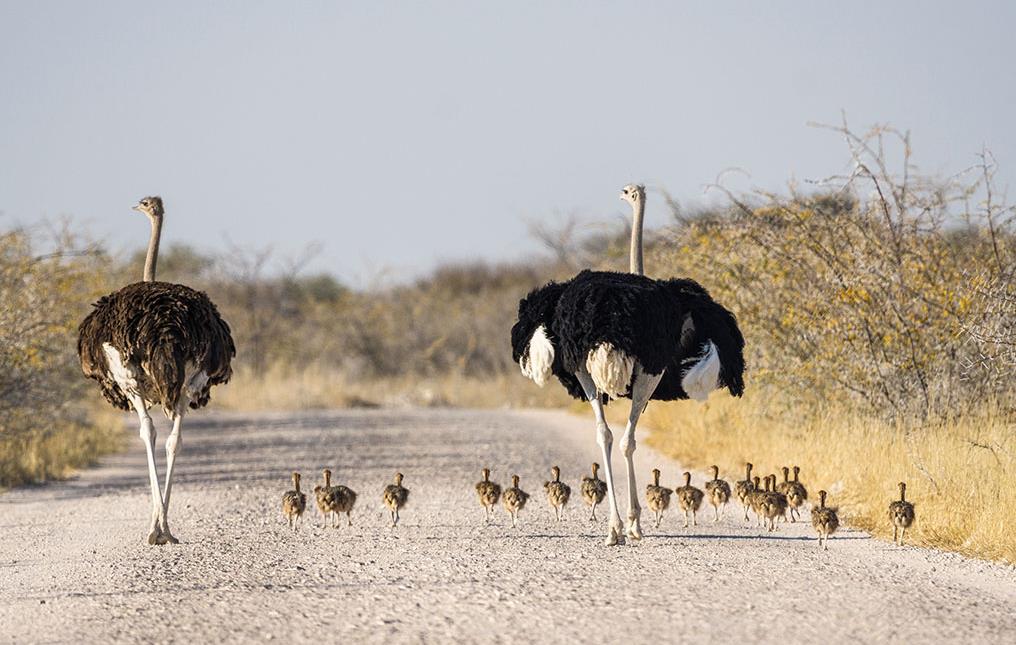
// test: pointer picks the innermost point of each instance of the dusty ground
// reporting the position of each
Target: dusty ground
(75, 567)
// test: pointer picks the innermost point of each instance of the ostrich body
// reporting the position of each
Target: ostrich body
(395, 496)
(901, 512)
(718, 491)
(294, 502)
(558, 492)
(488, 493)
(607, 335)
(825, 520)
(745, 488)
(156, 344)
(594, 489)
(689, 498)
(657, 497)
(514, 500)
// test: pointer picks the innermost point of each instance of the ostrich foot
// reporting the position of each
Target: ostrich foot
(616, 535)
(161, 536)
(634, 528)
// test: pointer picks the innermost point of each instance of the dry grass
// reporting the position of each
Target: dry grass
(314, 388)
(959, 473)
(54, 453)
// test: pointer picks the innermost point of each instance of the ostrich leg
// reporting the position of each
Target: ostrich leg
(172, 447)
(606, 440)
(148, 436)
(642, 388)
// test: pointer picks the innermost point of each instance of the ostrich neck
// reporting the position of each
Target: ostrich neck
(638, 212)
(153, 249)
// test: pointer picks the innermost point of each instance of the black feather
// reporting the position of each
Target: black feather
(663, 324)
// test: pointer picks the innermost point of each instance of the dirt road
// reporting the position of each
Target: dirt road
(75, 566)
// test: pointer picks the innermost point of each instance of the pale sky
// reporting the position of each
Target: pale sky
(399, 135)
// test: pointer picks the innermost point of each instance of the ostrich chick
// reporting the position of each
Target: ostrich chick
(488, 492)
(514, 500)
(773, 503)
(796, 494)
(594, 490)
(294, 502)
(689, 499)
(744, 488)
(395, 497)
(341, 499)
(558, 492)
(657, 497)
(321, 496)
(825, 520)
(785, 484)
(901, 512)
(755, 499)
(718, 491)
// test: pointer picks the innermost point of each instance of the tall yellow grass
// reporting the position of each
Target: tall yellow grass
(48, 453)
(961, 474)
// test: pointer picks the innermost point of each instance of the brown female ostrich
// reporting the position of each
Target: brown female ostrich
(156, 344)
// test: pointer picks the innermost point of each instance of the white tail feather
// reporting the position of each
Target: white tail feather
(611, 369)
(536, 363)
(704, 376)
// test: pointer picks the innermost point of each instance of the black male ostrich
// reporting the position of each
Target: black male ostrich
(156, 343)
(607, 335)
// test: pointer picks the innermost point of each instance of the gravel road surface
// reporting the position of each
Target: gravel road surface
(75, 566)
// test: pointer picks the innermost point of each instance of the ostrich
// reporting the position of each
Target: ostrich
(606, 335)
(825, 520)
(744, 488)
(294, 502)
(901, 512)
(514, 500)
(558, 492)
(594, 489)
(156, 343)
(657, 497)
(395, 496)
(718, 491)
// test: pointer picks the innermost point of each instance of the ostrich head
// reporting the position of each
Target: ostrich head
(634, 194)
(150, 206)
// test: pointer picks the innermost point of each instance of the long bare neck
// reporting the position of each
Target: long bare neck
(638, 213)
(153, 249)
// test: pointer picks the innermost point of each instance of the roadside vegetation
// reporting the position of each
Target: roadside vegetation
(879, 309)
